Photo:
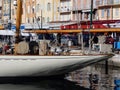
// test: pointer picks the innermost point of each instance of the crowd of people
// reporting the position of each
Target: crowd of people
(96, 38)
(103, 38)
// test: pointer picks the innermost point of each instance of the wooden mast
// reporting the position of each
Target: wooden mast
(18, 23)
(73, 31)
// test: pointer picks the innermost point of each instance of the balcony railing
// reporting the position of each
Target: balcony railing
(76, 8)
(64, 9)
(116, 2)
(109, 2)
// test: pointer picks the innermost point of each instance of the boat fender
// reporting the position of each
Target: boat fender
(23, 47)
(33, 47)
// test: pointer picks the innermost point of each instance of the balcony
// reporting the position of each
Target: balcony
(76, 8)
(115, 2)
(107, 4)
(64, 9)
(64, 0)
(100, 3)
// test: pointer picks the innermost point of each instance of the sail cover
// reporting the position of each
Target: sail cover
(7, 32)
(12, 33)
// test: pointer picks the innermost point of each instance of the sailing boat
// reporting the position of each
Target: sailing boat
(46, 65)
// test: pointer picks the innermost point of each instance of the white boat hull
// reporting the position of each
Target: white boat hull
(20, 66)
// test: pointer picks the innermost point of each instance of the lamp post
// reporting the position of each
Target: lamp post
(91, 14)
(91, 18)
(9, 21)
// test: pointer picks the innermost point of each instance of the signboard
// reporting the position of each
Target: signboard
(22, 27)
(13, 28)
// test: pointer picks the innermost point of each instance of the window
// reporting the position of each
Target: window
(105, 2)
(102, 13)
(111, 2)
(38, 19)
(33, 10)
(38, 7)
(108, 12)
(48, 19)
(8, 11)
(8, 1)
(48, 7)
(58, 9)
(13, 12)
(117, 12)
(116, 1)
(28, 20)
(33, 19)
(43, 19)
(28, 9)
(100, 2)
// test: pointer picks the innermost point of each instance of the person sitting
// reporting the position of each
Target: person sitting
(95, 39)
(5, 48)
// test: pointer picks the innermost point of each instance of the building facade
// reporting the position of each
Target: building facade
(9, 8)
(41, 12)
(46, 10)
(77, 10)
(64, 10)
(29, 11)
(6, 11)
(109, 9)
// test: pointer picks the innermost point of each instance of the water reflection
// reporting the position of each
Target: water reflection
(94, 77)
(38, 84)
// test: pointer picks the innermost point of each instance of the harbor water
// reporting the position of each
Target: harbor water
(93, 77)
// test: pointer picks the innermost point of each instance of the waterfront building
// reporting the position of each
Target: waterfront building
(46, 10)
(5, 11)
(13, 12)
(109, 9)
(86, 9)
(9, 13)
(65, 10)
(77, 10)
(40, 12)
(30, 11)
